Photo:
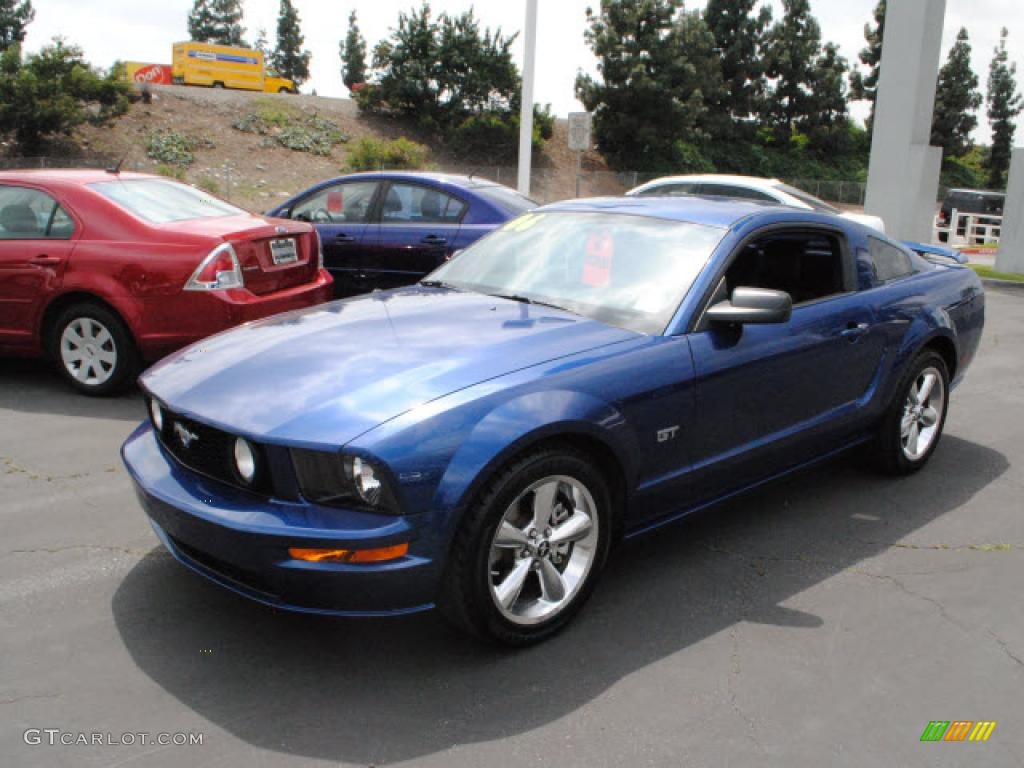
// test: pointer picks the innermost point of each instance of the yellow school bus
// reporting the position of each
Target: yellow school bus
(225, 66)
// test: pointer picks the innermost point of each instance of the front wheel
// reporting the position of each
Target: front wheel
(93, 348)
(528, 553)
(912, 426)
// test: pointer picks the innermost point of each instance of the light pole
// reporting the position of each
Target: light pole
(526, 109)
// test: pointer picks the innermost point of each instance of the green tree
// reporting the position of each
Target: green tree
(289, 59)
(262, 44)
(217, 21)
(864, 87)
(52, 92)
(827, 122)
(956, 99)
(15, 15)
(739, 35)
(791, 56)
(352, 51)
(1004, 104)
(659, 72)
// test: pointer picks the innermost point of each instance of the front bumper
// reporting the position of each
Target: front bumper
(241, 541)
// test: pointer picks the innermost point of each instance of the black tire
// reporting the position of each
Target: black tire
(466, 599)
(112, 377)
(219, 85)
(891, 454)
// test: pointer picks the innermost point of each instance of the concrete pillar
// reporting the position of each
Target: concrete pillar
(903, 173)
(1010, 257)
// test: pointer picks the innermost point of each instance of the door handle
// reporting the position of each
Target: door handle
(44, 260)
(434, 240)
(854, 331)
(343, 238)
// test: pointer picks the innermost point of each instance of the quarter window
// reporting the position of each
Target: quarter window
(415, 204)
(889, 261)
(29, 214)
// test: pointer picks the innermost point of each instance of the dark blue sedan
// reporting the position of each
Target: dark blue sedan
(389, 229)
(592, 370)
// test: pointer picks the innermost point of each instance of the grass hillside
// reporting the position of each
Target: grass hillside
(257, 149)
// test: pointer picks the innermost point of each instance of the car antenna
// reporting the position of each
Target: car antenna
(116, 169)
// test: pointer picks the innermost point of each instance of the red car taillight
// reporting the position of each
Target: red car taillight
(217, 272)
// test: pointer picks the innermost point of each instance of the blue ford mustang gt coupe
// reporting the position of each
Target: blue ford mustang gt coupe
(591, 370)
(389, 229)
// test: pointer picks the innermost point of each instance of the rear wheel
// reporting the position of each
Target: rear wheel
(218, 85)
(912, 426)
(528, 553)
(93, 349)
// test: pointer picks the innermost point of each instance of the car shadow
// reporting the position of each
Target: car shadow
(34, 386)
(377, 691)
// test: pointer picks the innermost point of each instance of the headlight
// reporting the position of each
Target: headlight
(335, 480)
(245, 460)
(157, 414)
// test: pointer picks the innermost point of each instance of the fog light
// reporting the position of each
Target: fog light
(245, 460)
(157, 413)
(378, 555)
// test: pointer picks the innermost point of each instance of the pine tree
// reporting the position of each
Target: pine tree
(792, 48)
(827, 105)
(262, 44)
(216, 21)
(15, 15)
(956, 99)
(289, 58)
(659, 71)
(865, 87)
(1004, 104)
(739, 36)
(353, 55)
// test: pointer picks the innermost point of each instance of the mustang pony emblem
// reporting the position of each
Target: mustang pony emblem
(185, 435)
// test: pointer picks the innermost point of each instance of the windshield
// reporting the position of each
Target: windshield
(161, 202)
(625, 270)
(819, 205)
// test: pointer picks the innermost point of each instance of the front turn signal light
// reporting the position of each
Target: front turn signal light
(378, 555)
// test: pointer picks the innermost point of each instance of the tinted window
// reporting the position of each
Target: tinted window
(505, 199)
(415, 204)
(28, 214)
(741, 193)
(670, 190)
(889, 261)
(806, 265)
(161, 202)
(348, 201)
(629, 271)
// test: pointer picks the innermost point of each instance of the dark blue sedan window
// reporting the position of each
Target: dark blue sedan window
(624, 270)
(507, 200)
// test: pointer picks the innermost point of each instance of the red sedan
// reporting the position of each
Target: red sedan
(101, 271)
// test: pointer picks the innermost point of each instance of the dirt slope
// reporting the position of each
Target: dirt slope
(242, 167)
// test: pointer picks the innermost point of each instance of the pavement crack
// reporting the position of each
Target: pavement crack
(70, 547)
(735, 669)
(1005, 646)
(29, 697)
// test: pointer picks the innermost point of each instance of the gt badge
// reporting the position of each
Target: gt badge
(668, 433)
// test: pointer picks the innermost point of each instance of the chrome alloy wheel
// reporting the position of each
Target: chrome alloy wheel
(543, 549)
(88, 352)
(922, 413)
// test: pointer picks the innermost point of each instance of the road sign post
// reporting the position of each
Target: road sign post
(579, 140)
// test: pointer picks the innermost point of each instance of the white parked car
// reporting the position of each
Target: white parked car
(748, 188)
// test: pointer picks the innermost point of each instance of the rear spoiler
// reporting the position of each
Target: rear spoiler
(937, 254)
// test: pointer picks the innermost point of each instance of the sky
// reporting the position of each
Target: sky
(135, 30)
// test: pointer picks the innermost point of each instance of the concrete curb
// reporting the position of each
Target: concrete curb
(1007, 285)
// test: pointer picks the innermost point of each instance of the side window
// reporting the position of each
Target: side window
(670, 190)
(741, 193)
(806, 265)
(340, 203)
(889, 261)
(414, 204)
(28, 214)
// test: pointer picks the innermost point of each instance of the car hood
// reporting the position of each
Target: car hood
(325, 375)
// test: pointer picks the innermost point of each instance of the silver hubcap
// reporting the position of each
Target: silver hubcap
(88, 352)
(543, 550)
(922, 414)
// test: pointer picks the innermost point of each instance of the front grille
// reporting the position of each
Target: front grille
(209, 451)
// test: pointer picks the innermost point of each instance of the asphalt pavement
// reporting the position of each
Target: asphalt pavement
(825, 620)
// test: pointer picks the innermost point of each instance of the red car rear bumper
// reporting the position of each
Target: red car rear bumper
(163, 326)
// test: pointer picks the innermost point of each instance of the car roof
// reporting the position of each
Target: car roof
(989, 192)
(453, 179)
(721, 212)
(80, 176)
(753, 182)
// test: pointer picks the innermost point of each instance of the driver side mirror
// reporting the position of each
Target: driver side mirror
(752, 306)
